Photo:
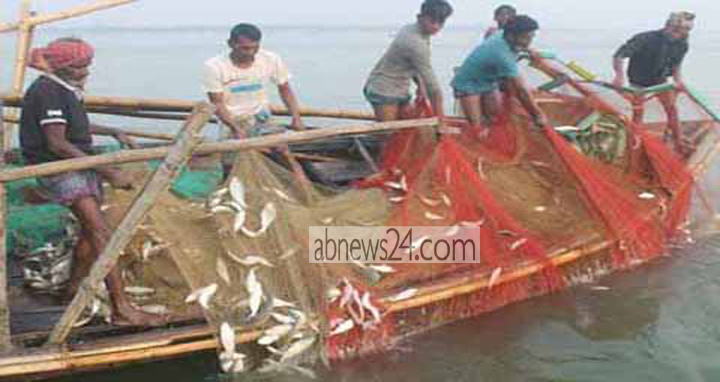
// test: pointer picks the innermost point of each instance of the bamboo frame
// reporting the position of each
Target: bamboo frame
(63, 15)
(174, 105)
(5, 338)
(177, 157)
(210, 148)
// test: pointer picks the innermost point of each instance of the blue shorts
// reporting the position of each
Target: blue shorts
(68, 187)
(380, 100)
(466, 92)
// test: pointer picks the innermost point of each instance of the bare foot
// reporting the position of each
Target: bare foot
(124, 316)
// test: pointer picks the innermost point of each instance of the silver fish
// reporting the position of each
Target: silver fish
(518, 243)
(494, 277)
(202, 295)
(139, 290)
(297, 348)
(222, 270)
(159, 310)
(452, 231)
(283, 319)
(431, 216)
(343, 327)
(239, 222)
(227, 338)
(237, 192)
(367, 304)
(382, 268)
(430, 202)
(250, 260)
(404, 295)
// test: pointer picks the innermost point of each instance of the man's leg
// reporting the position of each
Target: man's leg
(82, 261)
(87, 210)
(385, 113)
(490, 104)
(668, 101)
(472, 108)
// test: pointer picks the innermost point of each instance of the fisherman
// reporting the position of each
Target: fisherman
(493, 65)
(54, 126)
(387, 88)
(655, 56)
(502, 15)
(236, 84)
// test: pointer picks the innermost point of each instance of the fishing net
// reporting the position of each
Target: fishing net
(555, 206)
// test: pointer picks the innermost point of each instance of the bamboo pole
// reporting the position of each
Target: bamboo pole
(209, 148)
(5, 340)
(131, 133)
(23, 47)
(178, 155)
(174, 105)
(63, 15)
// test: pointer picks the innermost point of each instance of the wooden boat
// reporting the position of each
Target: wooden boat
(29, 355)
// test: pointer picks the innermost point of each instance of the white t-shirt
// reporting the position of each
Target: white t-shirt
(245, 88)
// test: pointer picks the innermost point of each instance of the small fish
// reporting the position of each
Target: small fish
(202, 295)
(222, 270)
(494, 277)
(283, 319)
(221, 208)
(256, 295)
(343, 327)
(280, 303)
(404, 295)
(237, 192)
(239, 222)
(505, 232)
(382, 268)
(477, 223)
(367, 304)
(395, 185)
(333, 294)
(480, 170)
(600, 288)
(517, 243)
(139, 290)
(540, 209)
(159, 310)
(227, 338)
(250, 260)
(267, 340)
(431, 216)
(403, 183)
(397, 199)
(283, 195)
(646, 196)
(146, 248)
(452, 231)
(297, 348)
(446, 199)
(287, 254)
(328, 221)
(279, 330)
(430, 202)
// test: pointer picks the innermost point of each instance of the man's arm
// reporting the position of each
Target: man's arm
(619, 68)
(119, 135)
(625, 51)
(60, 146)
(290, 101)
(678, 78)
(218, 99)
(419, 57)
(518, 87)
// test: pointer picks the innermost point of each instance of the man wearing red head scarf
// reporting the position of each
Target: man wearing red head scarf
(54, 126)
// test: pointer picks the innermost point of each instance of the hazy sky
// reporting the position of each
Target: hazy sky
(565, 14)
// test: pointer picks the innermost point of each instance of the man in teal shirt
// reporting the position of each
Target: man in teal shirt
(493, 65)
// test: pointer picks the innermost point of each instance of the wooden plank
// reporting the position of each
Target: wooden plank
(127, 156)
(177, 156)
(5, 343)
(63, 15)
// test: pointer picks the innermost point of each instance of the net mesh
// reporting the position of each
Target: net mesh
(554, 206)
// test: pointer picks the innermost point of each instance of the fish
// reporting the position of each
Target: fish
(283, 319)
(146, 248)
(227, 338)
(477, 223)
(202, 295)
(430, 202)
(397, 199)
(272, 366)
(333, 294)
(505, 232)
(237, 191)
(431, 216)
(343, 327)
(222, 208)
(222, 270)
(540, 209)
(279, 330)
(494, 277)
(403, 183)
(256, 296)
(446, 199)
(156, 309)
(518, 243)
(287, 254)
(283, 195)
(382, 268)
(452, 231)
(239, 222)
(404, 295)
(250, 260)
(139, 290)
(367, 304)
(327, 221)
(267, 339)
(280, 303)
(600, 288)
(297, 348)
(480, 171)
(646, 196)
(395, 185)
(268, 215)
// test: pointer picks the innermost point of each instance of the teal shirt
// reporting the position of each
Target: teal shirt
(490, 63)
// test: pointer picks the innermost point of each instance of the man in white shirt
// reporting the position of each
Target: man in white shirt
(236, 84)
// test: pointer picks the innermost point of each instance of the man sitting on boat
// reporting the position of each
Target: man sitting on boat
(502, 15)
(236, 84)
(493, 65)
(54, 126)
(408, 58)
(655, 56)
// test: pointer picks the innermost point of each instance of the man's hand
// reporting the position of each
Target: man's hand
(125, 140)
(619, 81)
(680, 86)
(118, 179)
(540, 121)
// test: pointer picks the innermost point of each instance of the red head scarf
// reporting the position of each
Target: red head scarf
(61, 53)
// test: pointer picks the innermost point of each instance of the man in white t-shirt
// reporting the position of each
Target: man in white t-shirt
(236, 84)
